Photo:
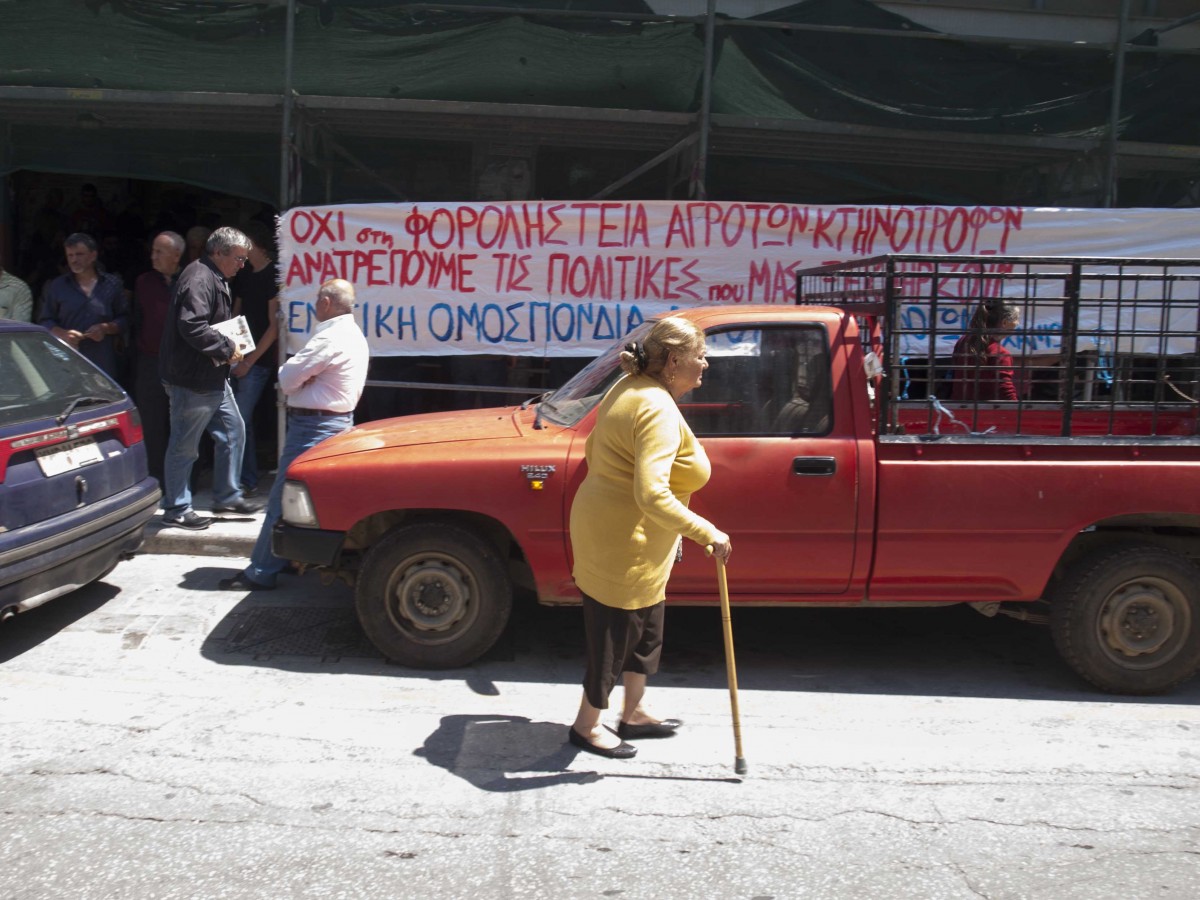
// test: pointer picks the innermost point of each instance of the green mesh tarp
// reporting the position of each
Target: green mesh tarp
(949, 85)
(504, 59)
(240, 164)
(381, 48)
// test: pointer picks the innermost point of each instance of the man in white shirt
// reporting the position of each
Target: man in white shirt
(16, 302)
(323, 383)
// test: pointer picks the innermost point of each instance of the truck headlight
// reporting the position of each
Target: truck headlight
(298, 506)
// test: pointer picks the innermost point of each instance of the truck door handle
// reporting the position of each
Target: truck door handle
(814, 465)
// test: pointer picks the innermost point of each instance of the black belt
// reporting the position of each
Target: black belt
(303, 411)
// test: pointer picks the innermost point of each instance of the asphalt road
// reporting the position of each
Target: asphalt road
(163, 739)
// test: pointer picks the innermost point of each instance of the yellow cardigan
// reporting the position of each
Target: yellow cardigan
(644, 464)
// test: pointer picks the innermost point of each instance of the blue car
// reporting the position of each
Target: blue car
(75, 495)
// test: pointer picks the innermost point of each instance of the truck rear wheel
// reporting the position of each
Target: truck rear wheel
(433, 596)
(1128, 620)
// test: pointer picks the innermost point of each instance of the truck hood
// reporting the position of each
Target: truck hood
(425, 429)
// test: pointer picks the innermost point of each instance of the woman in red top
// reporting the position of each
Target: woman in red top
(983, 369)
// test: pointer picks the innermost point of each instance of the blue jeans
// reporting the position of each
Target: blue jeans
(247, 390)
(303, 432)
(193, 413)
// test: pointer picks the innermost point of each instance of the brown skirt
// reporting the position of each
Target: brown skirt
(618, 640)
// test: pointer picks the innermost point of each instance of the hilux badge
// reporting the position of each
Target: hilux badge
(537, 476)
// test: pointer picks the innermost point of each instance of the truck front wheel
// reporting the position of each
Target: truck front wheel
(1128, 620)
(433, 596)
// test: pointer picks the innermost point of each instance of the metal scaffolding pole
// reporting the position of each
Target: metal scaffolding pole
(700, 182)
(285, 200)
(285, 137)
(1114, 117)
(645, 167)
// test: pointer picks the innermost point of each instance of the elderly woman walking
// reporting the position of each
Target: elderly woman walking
(627, 524)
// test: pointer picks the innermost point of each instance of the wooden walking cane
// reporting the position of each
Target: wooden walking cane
(739, 761)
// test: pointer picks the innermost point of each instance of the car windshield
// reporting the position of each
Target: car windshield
(579, 396)
(40, 377)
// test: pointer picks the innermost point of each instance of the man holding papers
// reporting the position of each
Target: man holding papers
(194, 362)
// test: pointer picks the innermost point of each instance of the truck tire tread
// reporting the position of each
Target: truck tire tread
(1081, 615)
(469, 602)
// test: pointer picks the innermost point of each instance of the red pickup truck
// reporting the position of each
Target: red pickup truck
(842, 471)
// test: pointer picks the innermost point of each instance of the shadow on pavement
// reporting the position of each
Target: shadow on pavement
(29, 629)
(513, 753)
(533, 754)
(943, 651)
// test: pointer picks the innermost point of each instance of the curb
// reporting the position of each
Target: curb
(224, 537)
(228, 536)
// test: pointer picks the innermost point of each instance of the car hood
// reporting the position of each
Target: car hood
(425, 429)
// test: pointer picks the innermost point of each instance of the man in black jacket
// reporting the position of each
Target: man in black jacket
(194, 362)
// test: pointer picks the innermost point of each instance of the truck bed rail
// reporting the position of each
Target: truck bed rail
(1099, 347)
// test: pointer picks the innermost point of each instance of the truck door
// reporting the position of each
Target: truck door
(784, 464)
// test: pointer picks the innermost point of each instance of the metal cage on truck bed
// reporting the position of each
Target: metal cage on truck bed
(1024, 346)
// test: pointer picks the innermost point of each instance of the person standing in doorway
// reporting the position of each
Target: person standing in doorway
(16, 300)
(86, 307)
(151, 303)
(255, 296)
(194, 362)
(197, 239)
(90, 216)
(323, 384)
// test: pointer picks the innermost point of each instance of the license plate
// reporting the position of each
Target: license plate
(71, 455)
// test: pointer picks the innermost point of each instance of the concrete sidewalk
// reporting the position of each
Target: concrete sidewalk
(230, 536)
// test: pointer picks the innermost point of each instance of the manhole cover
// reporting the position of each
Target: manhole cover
(285, 631)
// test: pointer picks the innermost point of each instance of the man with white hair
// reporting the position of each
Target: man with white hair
(151, 302)
(323, 384)
(194, 361)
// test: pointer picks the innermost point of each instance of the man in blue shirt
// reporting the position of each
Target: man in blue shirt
(86, 308)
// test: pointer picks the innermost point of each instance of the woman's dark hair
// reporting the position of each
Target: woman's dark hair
(987, 325)
(669, 335)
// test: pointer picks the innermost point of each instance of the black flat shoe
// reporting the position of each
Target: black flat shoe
(665, 728)
(241, 506)
(240, 582)
(621, 751)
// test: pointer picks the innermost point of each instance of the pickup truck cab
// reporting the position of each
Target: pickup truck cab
(835, 481)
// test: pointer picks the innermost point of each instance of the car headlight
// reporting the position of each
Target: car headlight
(298, 506)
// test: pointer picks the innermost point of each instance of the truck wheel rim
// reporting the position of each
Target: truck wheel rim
(430, 596)
(1144, 623)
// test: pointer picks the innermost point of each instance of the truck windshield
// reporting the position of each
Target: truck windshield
(579, 396)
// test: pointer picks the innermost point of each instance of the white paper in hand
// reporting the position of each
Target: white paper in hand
(237, 330)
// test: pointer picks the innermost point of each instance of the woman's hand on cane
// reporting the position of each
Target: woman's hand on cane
(720, 548)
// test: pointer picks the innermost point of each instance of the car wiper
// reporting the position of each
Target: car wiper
(537, 419)
(538, 399)
(79, 401)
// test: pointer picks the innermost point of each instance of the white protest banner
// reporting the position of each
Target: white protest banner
(1145, 328)
(567, 278)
